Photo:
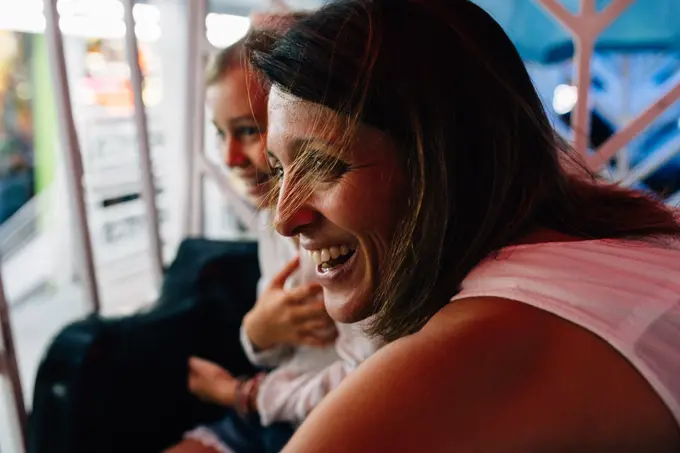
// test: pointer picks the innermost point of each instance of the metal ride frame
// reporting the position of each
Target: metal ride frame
(584, 27)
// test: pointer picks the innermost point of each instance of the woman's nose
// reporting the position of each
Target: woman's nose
(234, 156)
(293, 213)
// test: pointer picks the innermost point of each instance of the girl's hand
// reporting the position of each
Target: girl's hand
(291, 317)
(210, 382)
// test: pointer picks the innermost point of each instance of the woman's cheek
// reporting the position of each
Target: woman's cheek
(347, 207)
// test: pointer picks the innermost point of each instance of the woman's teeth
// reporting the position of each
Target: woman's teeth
(330, 257)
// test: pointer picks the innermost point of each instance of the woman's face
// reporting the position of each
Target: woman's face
(347, 220)
(239, 109)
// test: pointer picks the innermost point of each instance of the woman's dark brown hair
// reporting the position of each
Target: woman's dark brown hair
(485, 166)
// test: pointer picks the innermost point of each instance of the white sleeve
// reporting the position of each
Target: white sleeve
(292, 391)
(269, 358)
(289, 396)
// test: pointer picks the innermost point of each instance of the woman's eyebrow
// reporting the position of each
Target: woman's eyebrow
(294, 147)
(300, 144)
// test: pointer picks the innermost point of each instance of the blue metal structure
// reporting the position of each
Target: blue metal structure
(648, 25)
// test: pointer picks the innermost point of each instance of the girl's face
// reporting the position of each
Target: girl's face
(239, 109)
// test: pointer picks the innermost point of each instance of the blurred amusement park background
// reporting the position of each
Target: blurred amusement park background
(619, 89)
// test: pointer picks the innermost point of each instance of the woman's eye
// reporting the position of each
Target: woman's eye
(317, 165)
(277, 171)
(329, 168)
(247, 131)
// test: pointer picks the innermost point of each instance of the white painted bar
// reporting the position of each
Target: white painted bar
(8, 358)
(71, 149)
(147, 176)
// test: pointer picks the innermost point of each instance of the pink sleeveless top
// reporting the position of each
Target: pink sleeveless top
(626, 292)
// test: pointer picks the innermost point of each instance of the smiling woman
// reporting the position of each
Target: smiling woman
(433, 193)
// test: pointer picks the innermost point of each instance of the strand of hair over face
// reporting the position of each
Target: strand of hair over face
(310, 167)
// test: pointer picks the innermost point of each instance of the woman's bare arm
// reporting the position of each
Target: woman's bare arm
(491, 376)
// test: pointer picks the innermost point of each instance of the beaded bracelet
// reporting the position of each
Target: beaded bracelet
(253, 390)
(241, 394)
(245, 394)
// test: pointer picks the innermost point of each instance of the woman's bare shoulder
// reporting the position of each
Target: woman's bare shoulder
(426, 392)
(485, 375)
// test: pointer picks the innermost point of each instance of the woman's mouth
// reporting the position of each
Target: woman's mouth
(342, 272)
(330, 258)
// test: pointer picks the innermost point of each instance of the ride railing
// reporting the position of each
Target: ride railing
(585, 26)
(9, 367)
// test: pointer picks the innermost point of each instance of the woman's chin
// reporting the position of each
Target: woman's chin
(348, 289)
(346, 308)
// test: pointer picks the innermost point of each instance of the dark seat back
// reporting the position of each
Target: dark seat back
(112, 385)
